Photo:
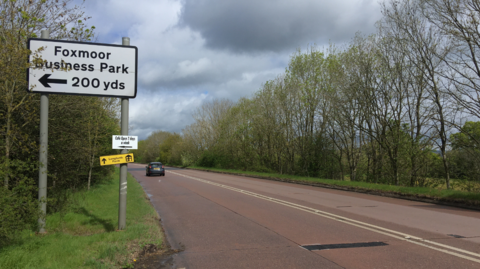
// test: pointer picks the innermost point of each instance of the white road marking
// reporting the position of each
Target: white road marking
(377, 229)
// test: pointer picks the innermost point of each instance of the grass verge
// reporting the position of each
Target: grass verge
(85, 235)
(454, 196)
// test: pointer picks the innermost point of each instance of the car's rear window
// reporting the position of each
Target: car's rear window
(155, 165)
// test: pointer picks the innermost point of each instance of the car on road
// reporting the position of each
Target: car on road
(155, 168)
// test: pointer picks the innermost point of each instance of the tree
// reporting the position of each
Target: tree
(466, 149)
(20, 20)
(168, 154)
(100, 127)
(150, 150)
(68, 161)
(468, 137)
(424, 47)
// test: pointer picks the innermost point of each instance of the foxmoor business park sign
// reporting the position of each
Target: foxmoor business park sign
(66, 67)
(82, 68)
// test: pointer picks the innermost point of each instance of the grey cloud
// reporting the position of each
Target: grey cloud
(182, 67)
(276, 25)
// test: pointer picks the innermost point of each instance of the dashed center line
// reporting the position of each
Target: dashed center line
(458, 252)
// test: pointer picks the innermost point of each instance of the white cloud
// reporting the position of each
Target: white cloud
(165, 111)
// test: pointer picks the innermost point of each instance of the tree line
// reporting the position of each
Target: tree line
(397, 107)
(80, 128)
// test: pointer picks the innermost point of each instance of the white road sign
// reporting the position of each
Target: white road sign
(124, 142)
(66, 67)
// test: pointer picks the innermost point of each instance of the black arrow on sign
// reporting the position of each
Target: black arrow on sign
(45, 80)
(104, 160)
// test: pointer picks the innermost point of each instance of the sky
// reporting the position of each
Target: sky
(195, 51)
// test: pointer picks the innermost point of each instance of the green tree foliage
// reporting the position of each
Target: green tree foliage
(160, 146)
(80, 128)
(149, 149)
(466, 152)
(468, 138)
(168, 154)
(139, 158)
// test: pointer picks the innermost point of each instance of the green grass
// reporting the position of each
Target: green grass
(417, 191)
(85, 235)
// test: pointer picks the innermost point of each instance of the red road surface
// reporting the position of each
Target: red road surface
(226, 221)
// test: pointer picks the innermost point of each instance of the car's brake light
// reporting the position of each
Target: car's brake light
(162, 166)
(150, 166)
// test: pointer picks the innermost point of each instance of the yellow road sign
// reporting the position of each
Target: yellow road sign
(116, 159)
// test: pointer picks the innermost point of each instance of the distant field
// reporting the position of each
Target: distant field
(86, 236)
(438, 192)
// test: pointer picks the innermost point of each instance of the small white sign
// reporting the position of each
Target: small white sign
(124, 142)
(82, 68)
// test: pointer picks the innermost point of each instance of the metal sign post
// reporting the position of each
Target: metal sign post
(122, 199)
(42, 169)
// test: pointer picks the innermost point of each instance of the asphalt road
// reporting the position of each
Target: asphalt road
(226, 221)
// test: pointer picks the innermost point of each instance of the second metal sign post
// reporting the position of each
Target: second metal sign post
(122, 200)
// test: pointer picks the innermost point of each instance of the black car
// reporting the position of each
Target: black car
(155, 168)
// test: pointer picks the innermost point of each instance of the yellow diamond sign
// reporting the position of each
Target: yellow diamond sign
(116, 159)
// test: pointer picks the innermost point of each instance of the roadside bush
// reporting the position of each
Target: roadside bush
(261, 169)
(213, 159)
(18, 210)
(207, 159)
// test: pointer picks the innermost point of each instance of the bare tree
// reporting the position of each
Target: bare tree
(457, 21)
(425, 48)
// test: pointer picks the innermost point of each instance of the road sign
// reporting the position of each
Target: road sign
(116, 159)
(124, 142)
(68, 67)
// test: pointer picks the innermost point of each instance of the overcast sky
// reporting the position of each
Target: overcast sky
(193, 51)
